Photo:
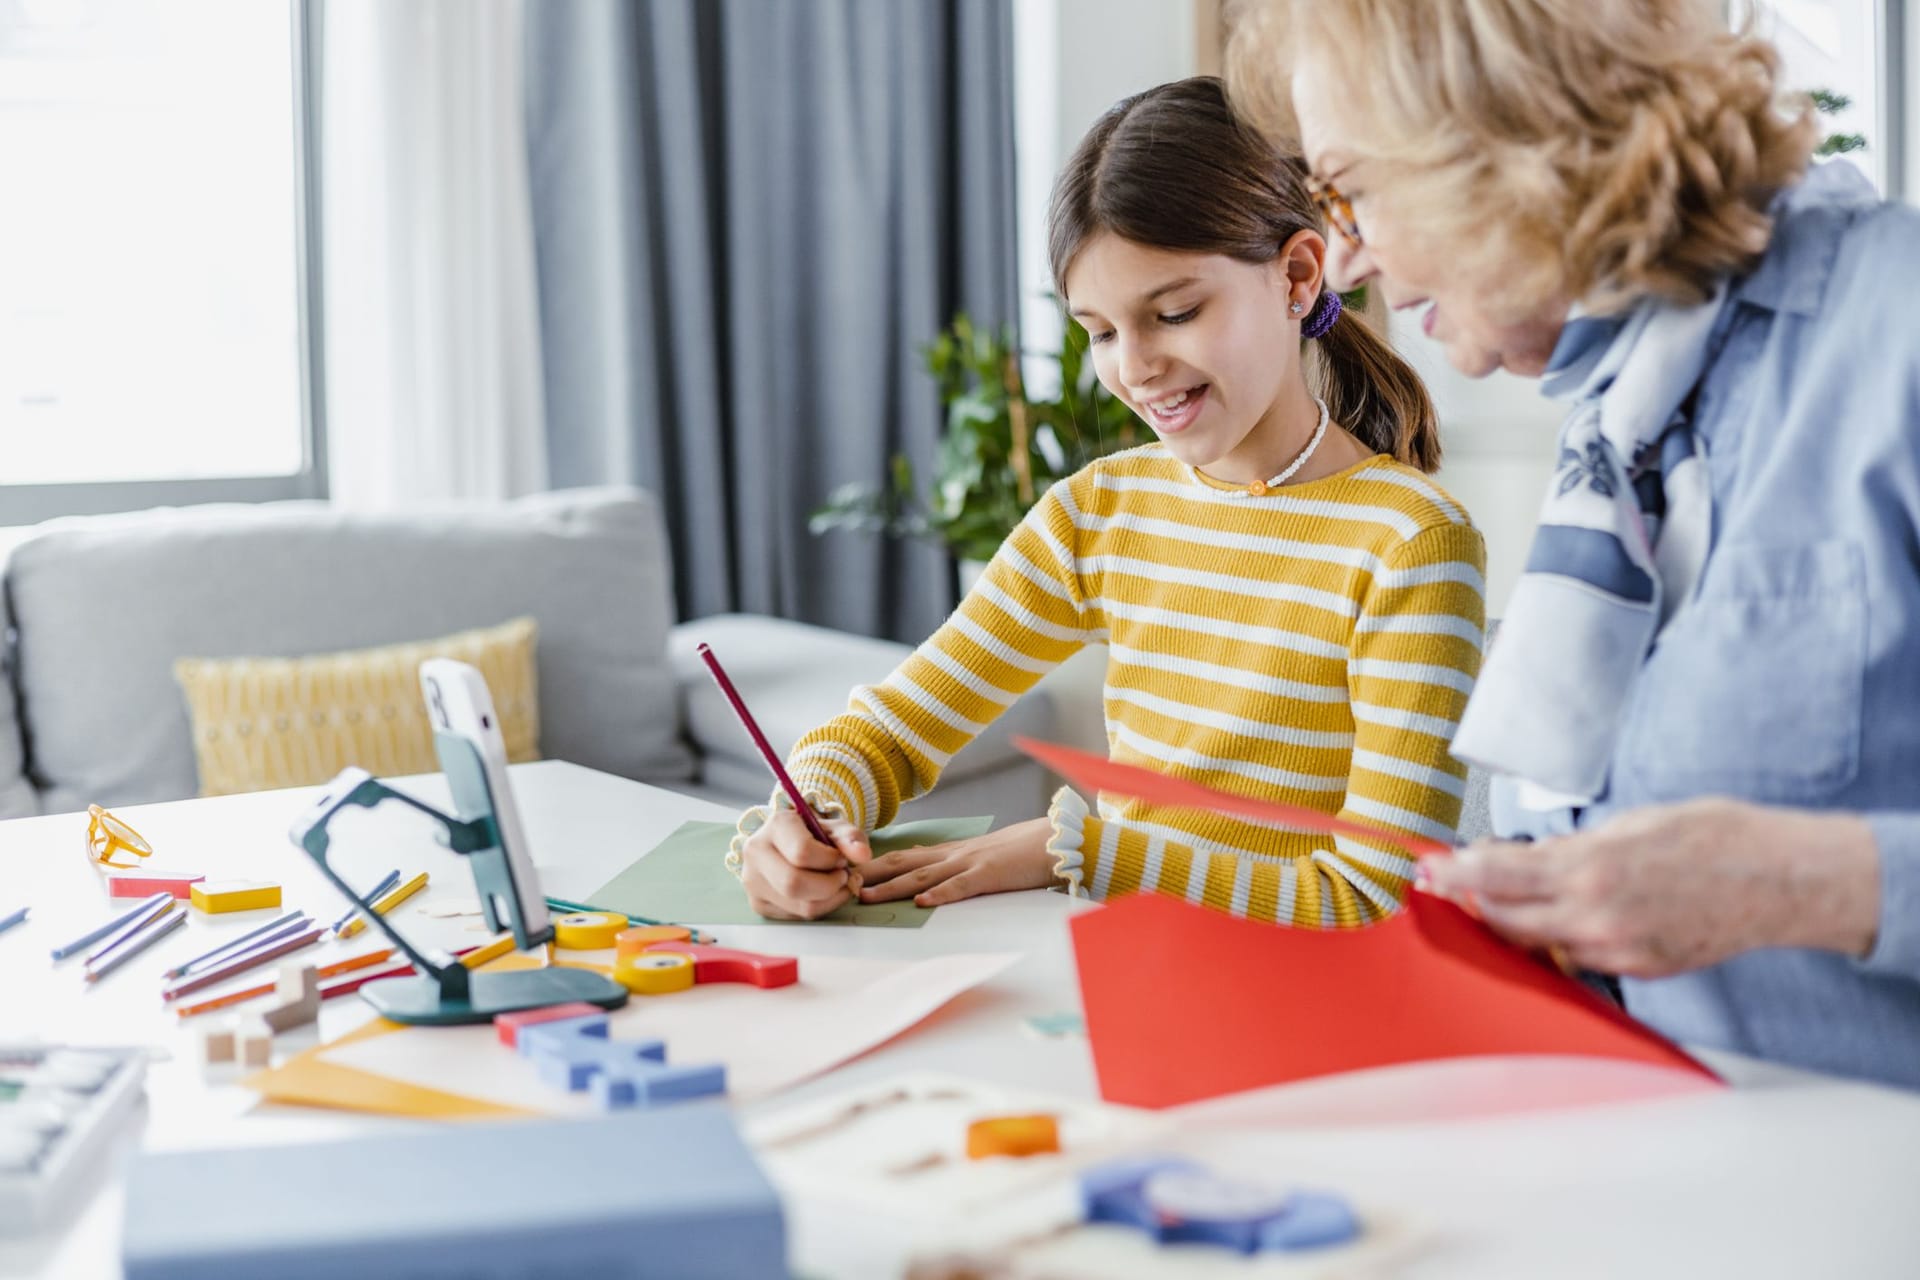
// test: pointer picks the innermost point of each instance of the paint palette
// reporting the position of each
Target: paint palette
(59, 1107)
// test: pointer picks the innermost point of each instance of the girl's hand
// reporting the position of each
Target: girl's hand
(789, 875)
(998, 862)
(1670, 888)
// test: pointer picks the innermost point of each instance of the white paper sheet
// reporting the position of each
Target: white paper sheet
(768, 1040)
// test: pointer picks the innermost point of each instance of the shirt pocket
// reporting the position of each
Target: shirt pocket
(1755, 688)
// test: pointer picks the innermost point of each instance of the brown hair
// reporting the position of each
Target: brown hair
(1554, 149)
(1136, 174)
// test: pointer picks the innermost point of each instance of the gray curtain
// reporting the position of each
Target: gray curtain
(749, 214)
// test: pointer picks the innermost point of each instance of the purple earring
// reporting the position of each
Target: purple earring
(1321, 319)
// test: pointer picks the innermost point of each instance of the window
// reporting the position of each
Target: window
(154, 311)
(1851, 49)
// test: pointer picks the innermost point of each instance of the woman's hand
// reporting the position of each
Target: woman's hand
(789, 875)
(1015, 857)
(1670, 888)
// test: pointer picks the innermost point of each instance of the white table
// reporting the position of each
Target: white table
(1788, 1174)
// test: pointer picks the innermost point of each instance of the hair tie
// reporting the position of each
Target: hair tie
(1321, 318)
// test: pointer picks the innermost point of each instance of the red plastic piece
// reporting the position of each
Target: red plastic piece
(724, 964)
(508, 1025)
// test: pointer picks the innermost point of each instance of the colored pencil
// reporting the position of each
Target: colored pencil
(383, 905)
(134, 928)
(138, 909)
(241, 963)
(500, 946)
(141, 942)
(387, 882)
(765, 748)
(251, 938)
(7, 922)
(268, 988)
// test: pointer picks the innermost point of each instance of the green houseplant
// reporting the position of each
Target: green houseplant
(1001, 449)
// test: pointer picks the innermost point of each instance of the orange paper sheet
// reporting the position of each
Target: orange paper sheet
(308, 1080)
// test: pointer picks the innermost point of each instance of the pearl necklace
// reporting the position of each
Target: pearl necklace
(1261, 488)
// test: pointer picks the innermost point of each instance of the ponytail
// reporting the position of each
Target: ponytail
(1375, 394)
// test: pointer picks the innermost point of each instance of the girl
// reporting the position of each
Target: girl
(1292, 609)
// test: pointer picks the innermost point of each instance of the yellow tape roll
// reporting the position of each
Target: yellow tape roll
(654, 973)
(587, 930)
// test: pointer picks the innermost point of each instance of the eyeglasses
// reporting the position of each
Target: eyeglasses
(1335, 208)
(108, 838)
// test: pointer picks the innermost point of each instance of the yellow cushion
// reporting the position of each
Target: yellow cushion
(261, 723)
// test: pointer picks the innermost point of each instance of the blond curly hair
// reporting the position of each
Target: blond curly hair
(1600, 151)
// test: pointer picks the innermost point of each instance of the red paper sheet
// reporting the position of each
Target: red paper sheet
(1097, 773)
(1184, 1002)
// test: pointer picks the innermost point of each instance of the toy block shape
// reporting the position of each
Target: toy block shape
(256, 1042)
(577, 1054)
(1180, 1202)
(144, 884)
(1033, 1135)
(655, 973)
(725, 964)
(632, 942)
(296, 998)
(508, 1026)
(235, 895)
(218, 1044)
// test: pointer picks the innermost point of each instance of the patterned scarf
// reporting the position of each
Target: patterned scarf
(1623, 533)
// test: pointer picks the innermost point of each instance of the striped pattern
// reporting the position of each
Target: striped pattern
(263, 723)
(1315, 646)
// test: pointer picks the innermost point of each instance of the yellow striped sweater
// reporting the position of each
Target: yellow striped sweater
(1315, 645)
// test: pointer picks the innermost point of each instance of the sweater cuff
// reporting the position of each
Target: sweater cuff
(753, 819)
(1068, 817)
(1896, 948)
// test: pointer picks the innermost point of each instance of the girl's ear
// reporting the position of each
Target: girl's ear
(1304, 258)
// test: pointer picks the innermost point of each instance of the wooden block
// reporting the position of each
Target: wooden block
(235, 895)
(578, 1055)
(725, 964)
(217, 1044)
(658, 973)
(297, 997)
(509, 1025)
(256, 1042)
(1013, 1136)
(632, 942)
(144, 884)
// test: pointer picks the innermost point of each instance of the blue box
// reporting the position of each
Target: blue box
(641, 1194)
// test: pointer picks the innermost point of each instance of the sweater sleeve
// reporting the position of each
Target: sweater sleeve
(1025, 616)
(1414, 656)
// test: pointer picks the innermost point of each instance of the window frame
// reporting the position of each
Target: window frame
(27, 504)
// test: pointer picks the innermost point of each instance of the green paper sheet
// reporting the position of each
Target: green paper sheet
(685, 878)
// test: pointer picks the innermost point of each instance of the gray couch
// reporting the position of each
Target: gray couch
(97, 610)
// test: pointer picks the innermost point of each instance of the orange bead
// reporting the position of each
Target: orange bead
(631, 942)
(1258, 488)
(1013, 1136)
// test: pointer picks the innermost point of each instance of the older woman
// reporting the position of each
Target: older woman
(1705, 698)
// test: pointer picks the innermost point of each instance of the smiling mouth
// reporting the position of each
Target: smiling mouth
(1176, 412)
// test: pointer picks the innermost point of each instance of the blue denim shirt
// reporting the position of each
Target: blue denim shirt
(1792, 677)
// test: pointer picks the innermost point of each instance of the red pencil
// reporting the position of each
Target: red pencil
(268, 988)
(767, 752)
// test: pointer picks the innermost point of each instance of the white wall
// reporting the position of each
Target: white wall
(1072, 60)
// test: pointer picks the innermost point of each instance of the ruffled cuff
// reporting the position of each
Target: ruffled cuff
(753, 819)
(1068, 816)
